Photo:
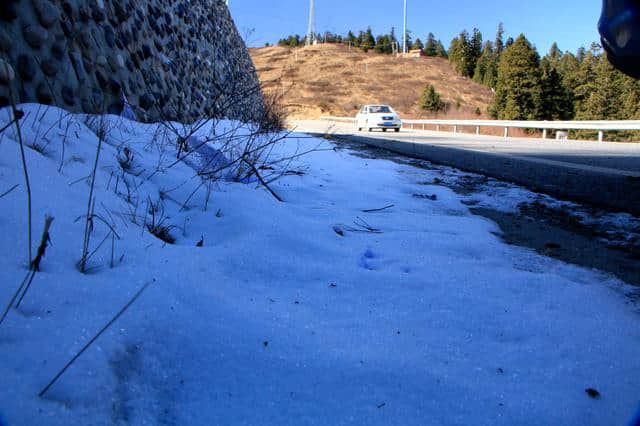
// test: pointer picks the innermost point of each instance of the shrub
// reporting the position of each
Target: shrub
(430, 100)
(275, 114)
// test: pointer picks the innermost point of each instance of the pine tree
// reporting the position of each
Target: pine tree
(382, 44)
(352, 39)
(392, 37)
(369, 38)
(294, 41)
(465, 52)
(631, 99)
(417, 45)
(499, 43)
(568, 66)
(440, 50)
(585, 83)
(455, 53)
(491, 73)
(599, 95)
(430, 100)
(475, 51)
(409, 39)
(367, 41)
(554, 53)
(430, 47)
(490, 77)
(558, 84)
(459, 53)
(484, 63)
(556, 102)
(518, 89)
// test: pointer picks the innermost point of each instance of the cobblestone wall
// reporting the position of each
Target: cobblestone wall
(178, 60)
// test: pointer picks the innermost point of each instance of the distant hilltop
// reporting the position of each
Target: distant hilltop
(332, 79)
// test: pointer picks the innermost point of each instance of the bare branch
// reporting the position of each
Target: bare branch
(257, 173)
(9, 191)
(378, 210)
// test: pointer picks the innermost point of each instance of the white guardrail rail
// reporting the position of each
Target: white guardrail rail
(599, 126)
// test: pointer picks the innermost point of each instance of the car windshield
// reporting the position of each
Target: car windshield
(383, 109)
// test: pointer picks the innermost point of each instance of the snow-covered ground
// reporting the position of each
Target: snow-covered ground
(277, 318)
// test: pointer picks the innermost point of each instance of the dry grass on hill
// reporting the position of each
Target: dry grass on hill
(333, 80)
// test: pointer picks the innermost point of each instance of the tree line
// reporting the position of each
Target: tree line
(365, 40)
(557, 86)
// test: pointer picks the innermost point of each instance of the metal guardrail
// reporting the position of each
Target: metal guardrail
(599, 126)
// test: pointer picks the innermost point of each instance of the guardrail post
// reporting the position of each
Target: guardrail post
(477, 130)
(423, 128)
(506, 132)
(600, 136)
(544, 133)
(437, 127)
(455, 129)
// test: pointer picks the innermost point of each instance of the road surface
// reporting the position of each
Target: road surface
(606, 174)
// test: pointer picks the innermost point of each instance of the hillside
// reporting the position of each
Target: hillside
(331, 79)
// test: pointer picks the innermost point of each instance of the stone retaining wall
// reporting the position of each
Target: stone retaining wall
(177, 60)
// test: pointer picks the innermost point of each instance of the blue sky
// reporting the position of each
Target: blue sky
(572, 23)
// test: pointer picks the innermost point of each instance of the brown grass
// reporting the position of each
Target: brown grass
(331, 79)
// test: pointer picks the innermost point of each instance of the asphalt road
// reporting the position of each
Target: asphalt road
(624, 157)
(604, 174)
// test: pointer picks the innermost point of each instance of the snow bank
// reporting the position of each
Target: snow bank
(277, 319)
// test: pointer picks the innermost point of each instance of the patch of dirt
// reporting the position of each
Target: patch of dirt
(556, 235)
(468, 184)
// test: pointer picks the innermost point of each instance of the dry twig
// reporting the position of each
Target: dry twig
(88, 222)
(35, 265)
(16, 119)
(255, 171)
(9, 191)
(379, 210)
(33, 268)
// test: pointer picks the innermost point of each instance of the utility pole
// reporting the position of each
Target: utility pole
(404, 32)
(311, 32)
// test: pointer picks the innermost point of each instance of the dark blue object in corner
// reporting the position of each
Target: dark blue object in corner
(636, 420)
(619, 28)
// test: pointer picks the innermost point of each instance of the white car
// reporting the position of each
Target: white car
(378, 117)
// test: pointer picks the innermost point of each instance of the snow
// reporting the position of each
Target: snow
(277, 319)
(506, 197)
